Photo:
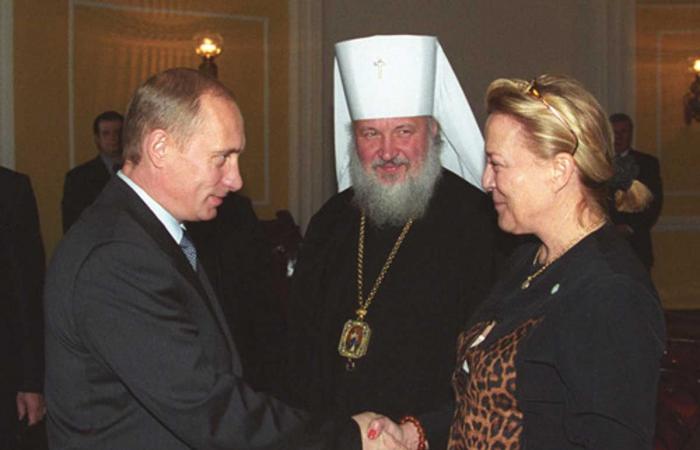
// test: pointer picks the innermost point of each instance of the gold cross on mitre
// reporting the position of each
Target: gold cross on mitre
(379, 64)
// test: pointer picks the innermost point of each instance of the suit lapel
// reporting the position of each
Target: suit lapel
(157, 231)
(219, 314)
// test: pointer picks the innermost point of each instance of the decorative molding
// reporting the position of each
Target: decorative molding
(618, 41)
(71, 85)
(659, 106)
(305, 110)
(668, 224)
(659, 54)
(264, 21)
(681, 194)
(7, 113)
(665, 5)
(176, 12)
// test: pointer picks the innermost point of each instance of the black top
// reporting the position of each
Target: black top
(21, 283)
(587, 371)
(441, 273)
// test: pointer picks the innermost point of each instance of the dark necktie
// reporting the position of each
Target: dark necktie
(188, 249)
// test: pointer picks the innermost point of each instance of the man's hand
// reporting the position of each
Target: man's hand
(31, 405)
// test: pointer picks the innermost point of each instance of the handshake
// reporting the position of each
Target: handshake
(381, 433)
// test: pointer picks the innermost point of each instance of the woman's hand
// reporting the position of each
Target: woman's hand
(405, 434)
(379, 432)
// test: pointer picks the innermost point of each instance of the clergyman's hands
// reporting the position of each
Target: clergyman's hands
(32, 405)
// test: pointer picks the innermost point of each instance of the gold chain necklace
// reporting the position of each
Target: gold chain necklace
(354, 339)
(526, 284)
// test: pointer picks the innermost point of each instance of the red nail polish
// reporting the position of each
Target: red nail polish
(372, 434)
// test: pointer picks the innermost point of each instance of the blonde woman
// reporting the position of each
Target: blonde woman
(565, 352)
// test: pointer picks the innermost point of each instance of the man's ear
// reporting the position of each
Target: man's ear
(563, 168)
(434, 127)
(156, 145)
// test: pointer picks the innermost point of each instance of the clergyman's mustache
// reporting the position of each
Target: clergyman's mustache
(395, 161)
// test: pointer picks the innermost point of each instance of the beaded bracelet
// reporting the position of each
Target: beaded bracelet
(421, 432)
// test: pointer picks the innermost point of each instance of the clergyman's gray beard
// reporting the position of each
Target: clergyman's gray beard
(394, 205)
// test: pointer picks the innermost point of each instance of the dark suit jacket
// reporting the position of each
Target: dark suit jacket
(642, 222)
(80, 189)
(139, 355)
(21, 281)
(236, 255)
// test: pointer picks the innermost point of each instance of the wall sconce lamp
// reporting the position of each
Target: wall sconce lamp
(208, 45)
(691, 99)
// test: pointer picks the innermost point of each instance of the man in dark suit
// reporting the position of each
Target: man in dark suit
(21, 324)
(636, 226)
(138, 353)
(85, 182)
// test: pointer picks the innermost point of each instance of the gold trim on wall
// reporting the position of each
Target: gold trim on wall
(666, 36)
(255, 63)
(145, 40)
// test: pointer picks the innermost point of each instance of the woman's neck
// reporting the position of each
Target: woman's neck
(565, 232)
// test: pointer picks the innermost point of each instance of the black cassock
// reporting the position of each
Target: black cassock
(442, 271)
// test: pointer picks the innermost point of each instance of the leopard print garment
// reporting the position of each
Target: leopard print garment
(486, 411)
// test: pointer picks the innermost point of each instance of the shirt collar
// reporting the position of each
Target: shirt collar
(171, 224)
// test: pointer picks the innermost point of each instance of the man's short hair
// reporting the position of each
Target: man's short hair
(169, 100)
(621, 117)
(106, 116)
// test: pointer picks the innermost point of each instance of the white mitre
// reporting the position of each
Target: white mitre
(404, 76)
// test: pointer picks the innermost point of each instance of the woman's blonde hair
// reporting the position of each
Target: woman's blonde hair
(559, 115)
